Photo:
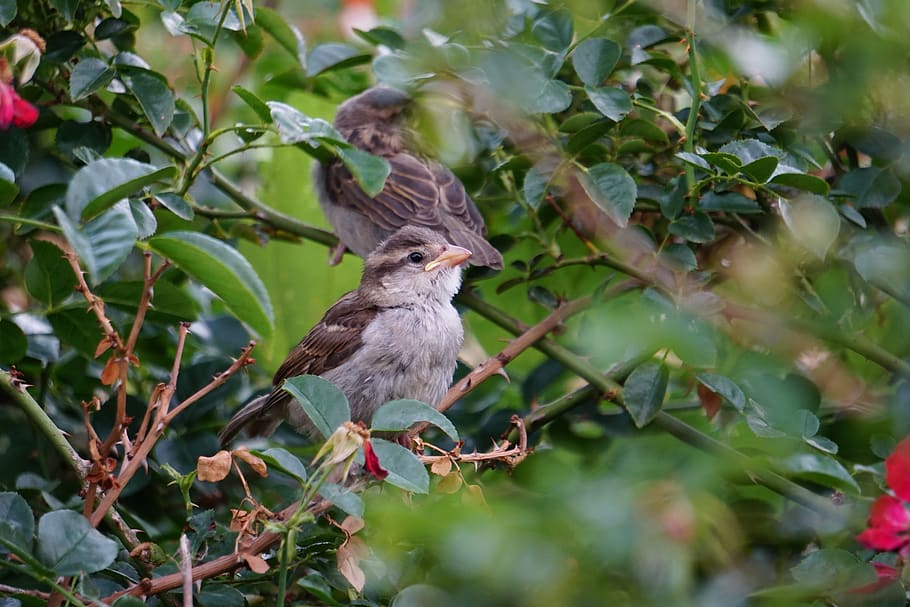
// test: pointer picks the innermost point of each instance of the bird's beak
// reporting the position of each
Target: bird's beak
(450, 258)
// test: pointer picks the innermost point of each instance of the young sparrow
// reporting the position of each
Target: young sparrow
(396, 336)
(418, 191)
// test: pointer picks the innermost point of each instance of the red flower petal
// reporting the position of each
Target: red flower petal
(7, 95)
(897, 470)
(889, 513)
(371, 462)
(882, 539)
(24, 113)
(886, 575)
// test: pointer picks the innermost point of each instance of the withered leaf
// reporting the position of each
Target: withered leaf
(253, 461)
(710, 400)
(352, 524)
(441, 467)
(255, 562)
(215, 468)
(450, 483)
(349, 555)
(110, 372)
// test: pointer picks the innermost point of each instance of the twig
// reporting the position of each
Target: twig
(223, 564)
(612, 391)
(38, 594)
(186, 570)
(132, 462)
(506, 452)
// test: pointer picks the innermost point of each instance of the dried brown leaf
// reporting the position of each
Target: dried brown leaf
(349, 555)
(441, 467)
(253, 461)
(103, 346)
(255, 562)
(215, 468)
(474, 494)
(110, 372)
(352, 524)
(450, 483)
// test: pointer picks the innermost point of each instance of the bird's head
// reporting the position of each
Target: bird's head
(379, 107)
(411, 266)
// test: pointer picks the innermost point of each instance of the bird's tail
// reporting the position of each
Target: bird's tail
(483, 253)
(254, 418)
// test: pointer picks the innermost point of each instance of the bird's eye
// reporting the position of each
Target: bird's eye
(415, 257)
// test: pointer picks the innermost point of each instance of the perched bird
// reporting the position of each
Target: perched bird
(396, 336)
(418, 191)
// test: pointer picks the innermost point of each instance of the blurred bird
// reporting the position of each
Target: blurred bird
(418, 191)
(396, 336)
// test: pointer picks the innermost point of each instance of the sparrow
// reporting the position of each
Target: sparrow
(418, 191)
(396, 336)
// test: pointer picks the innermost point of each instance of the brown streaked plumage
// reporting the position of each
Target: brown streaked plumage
(396, 336)
(418, 191)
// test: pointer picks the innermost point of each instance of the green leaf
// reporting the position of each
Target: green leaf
(146, 224)
(284, 461)
(612, 102)
(728, 163)
(255, 103)
(551, 97)
(325, 405)
(694, 159)
(399, 415)
(871, 187)
(17, 523)
(176, 204)
(72, 135)
(103, 183)
(70, 546)
(730, 202)
(802, 181)
(88, 76)
(612, 189)
(818, 468)
(534, 187)
(170, 302)
(554, 30)
(405, 470)
(833, 569)
(333, 56)
(8, 188)
(725, 387)
(103, 244)
(761, 169)
(286, 35)
(594, 60)
(369, 171)
(647, 130)
(219, 595)
(153, 94)
(644, 390)
(885, 264)
(7, 12)
(76, 328)
(223, 270)
(204, 17)
(49, 277)
(296, 127)
(13, 343)
(696, 227)
(813, 221)
(343, 498)
(382, 36)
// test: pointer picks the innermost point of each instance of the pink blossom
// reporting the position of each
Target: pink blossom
(14, 110)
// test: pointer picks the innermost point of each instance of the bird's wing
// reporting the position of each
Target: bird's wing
(329, 344)
(416, 192)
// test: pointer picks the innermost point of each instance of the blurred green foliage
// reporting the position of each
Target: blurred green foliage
(722, 178)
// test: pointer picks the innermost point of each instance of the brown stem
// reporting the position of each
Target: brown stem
(132, 462)
(223, 564)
